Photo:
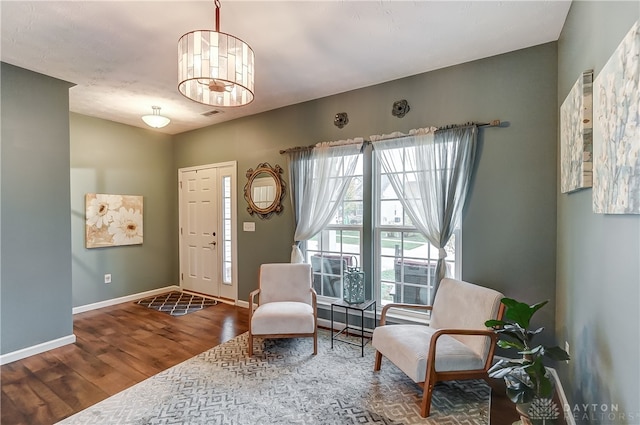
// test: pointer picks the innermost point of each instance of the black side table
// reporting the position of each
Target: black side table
(362, 307)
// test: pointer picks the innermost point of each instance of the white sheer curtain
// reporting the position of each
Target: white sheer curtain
(319, 179)
(430, 172)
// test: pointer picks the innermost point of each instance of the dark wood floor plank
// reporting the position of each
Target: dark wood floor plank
(37, 363)
(119, 346)
(9, 412)
(14, 372)
(76, 391)
(106, 377)
(37, 402)
(125, 364)
(56, 370)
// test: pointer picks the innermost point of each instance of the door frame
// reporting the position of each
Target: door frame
(234, 225)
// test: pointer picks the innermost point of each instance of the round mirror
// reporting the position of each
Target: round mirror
(264, 190)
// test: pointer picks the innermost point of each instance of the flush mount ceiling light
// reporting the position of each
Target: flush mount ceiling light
(156, 120)
(215, 68)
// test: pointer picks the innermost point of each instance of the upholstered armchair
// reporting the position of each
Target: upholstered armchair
(455, 345)
(287, 304)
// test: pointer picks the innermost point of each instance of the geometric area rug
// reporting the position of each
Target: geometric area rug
(284, 383)
(177, 303)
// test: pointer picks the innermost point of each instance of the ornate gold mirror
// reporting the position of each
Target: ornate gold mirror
(264, 190)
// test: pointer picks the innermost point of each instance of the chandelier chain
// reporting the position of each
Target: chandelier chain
(217, 4)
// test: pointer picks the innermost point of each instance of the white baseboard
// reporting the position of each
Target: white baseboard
(36, 349)
(324, 323)
(133, 297)
(563, 397)
(70, 339)
(241, 303)
(338, 326)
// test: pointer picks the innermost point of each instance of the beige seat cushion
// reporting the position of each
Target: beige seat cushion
(284, 317)
(407, 346)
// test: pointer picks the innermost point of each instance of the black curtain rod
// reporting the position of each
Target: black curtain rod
(494, 123)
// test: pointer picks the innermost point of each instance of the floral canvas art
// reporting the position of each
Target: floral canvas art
(576, 135)
(113, 220)
(616, 131)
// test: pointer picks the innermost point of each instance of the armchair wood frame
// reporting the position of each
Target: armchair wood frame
(314, 334)
(432, 376)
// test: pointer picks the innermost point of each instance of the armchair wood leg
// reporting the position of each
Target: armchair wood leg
(427, 391)
(425, 406)
(378, 363)
(315, 344)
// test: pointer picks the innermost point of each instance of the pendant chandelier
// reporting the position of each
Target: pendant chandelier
(215, 68)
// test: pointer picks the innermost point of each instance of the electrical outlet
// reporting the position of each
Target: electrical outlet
(107, 278)
(566, 348)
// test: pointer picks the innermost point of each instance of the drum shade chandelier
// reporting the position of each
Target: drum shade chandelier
(215, 68)
(156, 120)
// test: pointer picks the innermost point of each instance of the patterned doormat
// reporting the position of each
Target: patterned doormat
(283, 383)
(177, 303)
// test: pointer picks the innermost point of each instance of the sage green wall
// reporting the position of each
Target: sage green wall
(509, 223)
(598, 281)
(509, 227)
(107, 157)
(35, 261)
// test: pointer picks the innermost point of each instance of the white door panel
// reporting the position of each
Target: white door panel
(207, 229)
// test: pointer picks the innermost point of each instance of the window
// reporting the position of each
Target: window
(339, 245)
(403, 262)
(227, 255)
(406, 262)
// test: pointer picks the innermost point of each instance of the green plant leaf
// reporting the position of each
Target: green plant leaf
(521, 394)
(493, 323)
(503, 368)
(516, 338)
(538, 306)
(501, 373)
(521, 313)
(510, 344)
(515, 333)
(545, 388)
(534, 351)
(519, 389)
(509, 302)
(536, 332)
(541, 382)
(538, 375)
(512, 327)
(527, 378)
(556, 353)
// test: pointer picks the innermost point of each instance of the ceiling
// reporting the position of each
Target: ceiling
(122, 55)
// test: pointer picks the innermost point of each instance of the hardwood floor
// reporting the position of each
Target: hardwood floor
(119, 346)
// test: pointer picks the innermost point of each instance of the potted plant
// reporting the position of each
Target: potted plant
(526, 378)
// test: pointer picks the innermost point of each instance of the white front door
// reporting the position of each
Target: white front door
(207, 229)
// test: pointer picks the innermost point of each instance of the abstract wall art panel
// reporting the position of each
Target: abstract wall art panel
(113, 220)
(616, 130)
(576, 135)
